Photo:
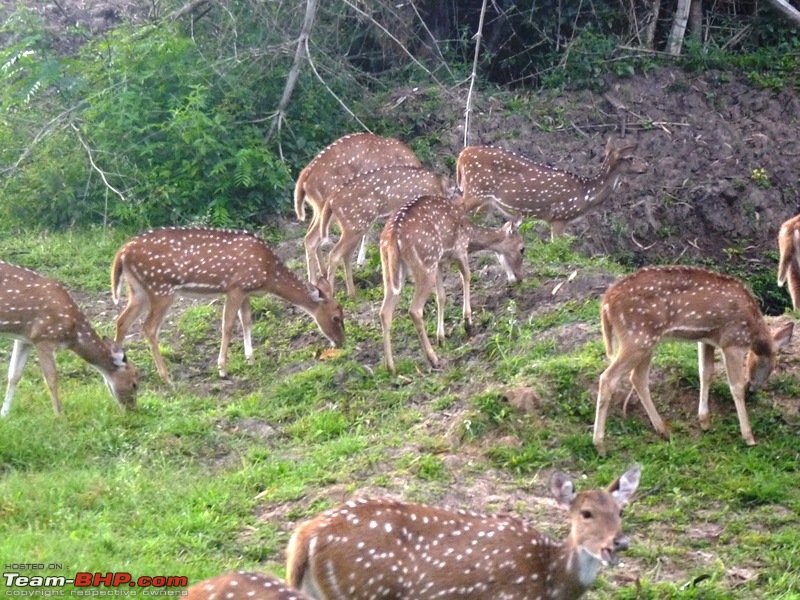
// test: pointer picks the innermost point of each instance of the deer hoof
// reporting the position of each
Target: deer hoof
(705, 423)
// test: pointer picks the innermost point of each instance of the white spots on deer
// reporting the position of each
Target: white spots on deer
(691, 304)
(518, 186)
(176, 261)
(430, 552)
(335, 166)
(38, 313)
(241, 585)
(417, 239)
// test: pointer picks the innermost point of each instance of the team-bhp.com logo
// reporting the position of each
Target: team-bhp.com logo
(93, 584)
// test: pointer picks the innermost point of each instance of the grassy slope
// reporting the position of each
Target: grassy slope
(211, 475)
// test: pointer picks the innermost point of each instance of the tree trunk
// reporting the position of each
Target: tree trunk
(294, 73)
(696, 21)
(787, 10)
(650, 32)
(675, 42)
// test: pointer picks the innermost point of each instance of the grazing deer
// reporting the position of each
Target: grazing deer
(196, 261)
(519, 187)
(336, 164)
(39, 313)
(365, 199)
(789, 265)
(690, 304)
(382, 548)
(419, 237)
(243, 585)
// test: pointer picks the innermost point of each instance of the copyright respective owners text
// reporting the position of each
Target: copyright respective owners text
(47, 580)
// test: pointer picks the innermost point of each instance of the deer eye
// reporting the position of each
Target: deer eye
(337, 319)
(586, 514)
(522, 250)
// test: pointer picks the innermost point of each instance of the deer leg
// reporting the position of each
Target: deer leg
(440, 300)
(557, 228)
(390, 299)
(609, 381)
(47, 360)
(734, 358)
(705, 355)
(234, 300)
(312, 243)
(640, 381)
(343, 251)
(362, 252)
(138, 302)
(463, 266)
(19, 356)
(424, 283)
(152, 323)
(246, 319)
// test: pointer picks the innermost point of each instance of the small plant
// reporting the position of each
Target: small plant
(761, 178)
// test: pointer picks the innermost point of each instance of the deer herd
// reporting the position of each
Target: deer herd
(373, 549)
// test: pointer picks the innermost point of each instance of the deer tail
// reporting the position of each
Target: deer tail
(390, 251)
(116, 277)
(296, 559)
(608, 331)
(300, 196)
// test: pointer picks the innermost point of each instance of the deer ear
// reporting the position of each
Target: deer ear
(625, 485)
(562, 488)
(319, 292)
(117, 353)
(783, 335)
(509, 228)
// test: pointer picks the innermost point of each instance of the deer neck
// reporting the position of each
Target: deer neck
(90, 347)
(572, 570)
(481, 238)
(597, 189)
(286, 285)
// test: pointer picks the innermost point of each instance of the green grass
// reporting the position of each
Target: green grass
(210, 475)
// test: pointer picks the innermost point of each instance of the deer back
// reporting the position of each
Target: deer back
(205, 261)
(34, 307)
(200, 260)
(243, 585)
(520, 186)
(397, 550)
(39, 310)
(344, 159)
(693, 304)
(433, 226)
(379, 192)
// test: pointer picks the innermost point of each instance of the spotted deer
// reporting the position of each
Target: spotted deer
(38, 313)
(689, 304)
(519, 187)
(417, 239)
(367, 198)
(789, 265)
(160, 264)
(383, 548)
(243, 585)
(335, 165)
